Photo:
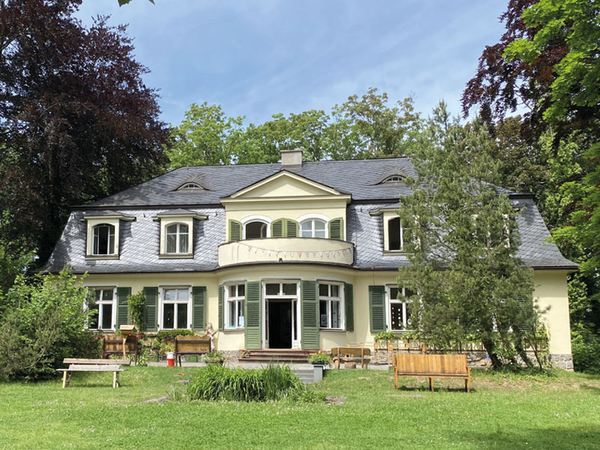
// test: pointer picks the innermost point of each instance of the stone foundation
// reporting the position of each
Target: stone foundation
(562, 361)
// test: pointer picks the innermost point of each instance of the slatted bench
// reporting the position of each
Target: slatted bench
(191, 345)
(432, 366)
(93, 365)
(351, 354)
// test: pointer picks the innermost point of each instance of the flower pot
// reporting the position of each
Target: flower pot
(170, 359)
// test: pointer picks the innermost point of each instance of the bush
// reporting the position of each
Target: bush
(46, 324)
(322, 358)
(169, 335)
(586, 351)
(221, 383)
(136, 305)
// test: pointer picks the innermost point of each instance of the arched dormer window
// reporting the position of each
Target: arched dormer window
(255, 230)
(393, 179)
(104, 239)
(313, 228)
(177, 238)
(189, 186)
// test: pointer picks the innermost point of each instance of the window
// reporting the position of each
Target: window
(394, 234)
(313, 228)
(255, 230)
(330, 305)
(190, 187)
(394, 179)
(104, 239)
(104, 305)
(399, 314)
(235, 294)
(177, 238)
(175, 306)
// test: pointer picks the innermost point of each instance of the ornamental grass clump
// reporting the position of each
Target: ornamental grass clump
(258, 385)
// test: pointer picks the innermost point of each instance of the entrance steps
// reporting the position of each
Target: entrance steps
(278, 356)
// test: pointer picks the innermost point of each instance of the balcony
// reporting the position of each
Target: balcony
(301, 250)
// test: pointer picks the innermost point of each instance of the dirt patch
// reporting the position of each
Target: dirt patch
(333, 400)
(164, 398)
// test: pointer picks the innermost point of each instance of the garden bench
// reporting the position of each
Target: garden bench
(112, 345)
(191, 345)
(351, 354)
(93, 365)
(432, 366)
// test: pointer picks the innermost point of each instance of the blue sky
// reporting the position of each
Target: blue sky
(257, 58)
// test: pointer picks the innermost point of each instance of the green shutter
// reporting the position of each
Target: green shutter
(377, 308)
(122, 316)
(310, 316)
(150, 308)
(221, 307)
(235, 230)
(253, 329)
(349, 305)
(336, 227)
(291, 228)
(277, 228)
(198, 308)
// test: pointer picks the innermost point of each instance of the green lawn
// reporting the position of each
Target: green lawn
(513, 412)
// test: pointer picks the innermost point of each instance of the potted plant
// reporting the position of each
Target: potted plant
(214, 358)
(319, 360)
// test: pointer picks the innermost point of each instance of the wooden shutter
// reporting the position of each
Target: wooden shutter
(349, 306)
(253, 329)
(235, 230)
(310, 316)
(336, 228)
(122, 315)
(277, 228)
(198, 308)
(377, 308)
(291, 228)
(150, 308)
(221, 307)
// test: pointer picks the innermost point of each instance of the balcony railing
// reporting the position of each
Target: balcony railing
(307, 250)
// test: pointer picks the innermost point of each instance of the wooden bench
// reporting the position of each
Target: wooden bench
(432, 366)
(351, 354)
(112, 345)
(191, 345)
(93, 365)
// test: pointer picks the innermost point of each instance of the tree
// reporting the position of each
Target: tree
(462, 240)
(77, 121)
(205, 137)
(383, 131)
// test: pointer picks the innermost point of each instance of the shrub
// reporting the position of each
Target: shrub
(322, 358)
(214, 357)
(169, 335)
(586, 351)
(221, 383)
(46, 324)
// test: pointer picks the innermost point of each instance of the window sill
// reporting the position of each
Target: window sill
(100, 257)
(334, 330)
(232, 330)
(176, 256)
(394, 253)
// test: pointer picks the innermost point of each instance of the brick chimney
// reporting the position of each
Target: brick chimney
(291, 158)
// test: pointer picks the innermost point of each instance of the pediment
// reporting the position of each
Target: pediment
(285, 185)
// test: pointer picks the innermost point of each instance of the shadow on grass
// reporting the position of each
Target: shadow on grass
(547, 438)
(591, 389)
(425, 388)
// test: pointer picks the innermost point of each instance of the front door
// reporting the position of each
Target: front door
(280, 323)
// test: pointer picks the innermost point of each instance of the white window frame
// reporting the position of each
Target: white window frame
(239, 301)
(161, 304)
(329, 299)
(387, 217)
(113, 303)
(390, 301)
(172, 220)
(296, 343)
(312, 221)
(178, 235)
(92, 223)
(250, 219)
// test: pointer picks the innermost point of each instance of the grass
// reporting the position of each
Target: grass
(531, 411)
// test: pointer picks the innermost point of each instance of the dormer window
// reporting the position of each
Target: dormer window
(393, 179)
(190, 186)
(178, 238)
(104, 240)
(394, 229)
